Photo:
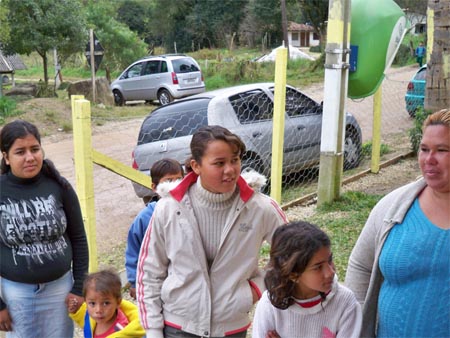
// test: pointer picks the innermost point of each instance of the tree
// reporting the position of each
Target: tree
(215, 23)
(413, 6)
(315, 12)
(42, 25)
(437, 94)
(168, 24)
(136, 14)
(262, 23)
(4, 26)
(121, 45)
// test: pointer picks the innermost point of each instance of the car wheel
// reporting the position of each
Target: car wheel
(164, 97)
(352, 149)
(118, 98)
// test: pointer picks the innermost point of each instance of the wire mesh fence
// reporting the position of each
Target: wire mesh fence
(116, 201)
(248, 112)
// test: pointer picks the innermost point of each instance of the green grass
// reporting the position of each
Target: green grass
(343, 221)
(367, 149)
(7, 108)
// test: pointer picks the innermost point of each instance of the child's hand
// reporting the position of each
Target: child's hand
(73, 302)
(133, 293)
(272, 334)
(5, 321)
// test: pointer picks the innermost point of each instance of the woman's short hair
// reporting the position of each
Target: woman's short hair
(441, 117)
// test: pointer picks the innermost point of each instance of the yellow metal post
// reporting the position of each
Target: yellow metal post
(376, 134)
(278, 124)
(84, 172)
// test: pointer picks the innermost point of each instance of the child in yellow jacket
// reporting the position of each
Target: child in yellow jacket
(104, 314)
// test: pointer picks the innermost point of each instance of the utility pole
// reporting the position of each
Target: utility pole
(335, 89)
(285, 26)
(437, 95)
(92, 60)
(57, 69)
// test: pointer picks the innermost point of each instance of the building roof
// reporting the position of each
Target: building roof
(10, 63)
(294, 27)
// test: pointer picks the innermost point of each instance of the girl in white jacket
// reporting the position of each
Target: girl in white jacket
(303, 297)
(198, 273)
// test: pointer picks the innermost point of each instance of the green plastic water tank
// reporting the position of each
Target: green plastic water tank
(377, 29)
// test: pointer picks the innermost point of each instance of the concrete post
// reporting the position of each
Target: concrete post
(335, 93)
(376, 131)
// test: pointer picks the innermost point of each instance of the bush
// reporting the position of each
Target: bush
(316, 49)
(403, 56)
(415, 133)
(44, 90)
(7, 108)
(366, 150)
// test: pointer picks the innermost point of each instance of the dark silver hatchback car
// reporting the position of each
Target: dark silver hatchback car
(247, 111)
(163, 78)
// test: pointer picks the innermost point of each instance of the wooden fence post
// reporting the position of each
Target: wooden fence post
(84, 171)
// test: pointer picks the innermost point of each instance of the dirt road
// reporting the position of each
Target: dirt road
(115, 201)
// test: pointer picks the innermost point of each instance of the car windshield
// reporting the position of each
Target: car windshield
(421, 74)
(184, 65)
(252, 106)
(176, 120)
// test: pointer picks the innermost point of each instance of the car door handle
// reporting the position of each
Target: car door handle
(301, 127)
(256, 134)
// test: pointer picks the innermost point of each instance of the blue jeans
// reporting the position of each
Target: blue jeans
(38, 310)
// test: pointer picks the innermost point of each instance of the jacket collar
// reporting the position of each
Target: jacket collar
(245, 191)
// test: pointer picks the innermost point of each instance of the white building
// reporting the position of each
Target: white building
(302, 35)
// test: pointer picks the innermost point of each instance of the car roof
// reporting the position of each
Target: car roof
(229, 91)
(164, 56)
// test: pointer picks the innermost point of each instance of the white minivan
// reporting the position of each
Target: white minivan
(162, 77)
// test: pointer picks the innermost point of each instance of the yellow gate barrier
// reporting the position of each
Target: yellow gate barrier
(84, 157)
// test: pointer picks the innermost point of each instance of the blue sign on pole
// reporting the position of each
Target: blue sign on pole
(353, 58)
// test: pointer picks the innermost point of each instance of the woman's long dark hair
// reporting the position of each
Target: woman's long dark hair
(20, 129)
(293, 246)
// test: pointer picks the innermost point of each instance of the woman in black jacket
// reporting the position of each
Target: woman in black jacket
(43, 246)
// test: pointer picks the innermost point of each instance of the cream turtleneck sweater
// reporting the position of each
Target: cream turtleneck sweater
(212, 212)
